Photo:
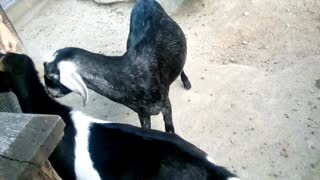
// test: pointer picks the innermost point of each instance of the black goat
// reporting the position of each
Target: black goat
(140, 79)
(94, 149)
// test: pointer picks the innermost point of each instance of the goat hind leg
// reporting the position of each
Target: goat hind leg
(167, 116)
(145, 121)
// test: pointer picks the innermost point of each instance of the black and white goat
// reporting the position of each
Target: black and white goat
(95, 149)
(140, 79)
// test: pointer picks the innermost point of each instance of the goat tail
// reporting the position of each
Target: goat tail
(185, 80)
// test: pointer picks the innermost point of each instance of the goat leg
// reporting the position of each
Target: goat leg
(145, 121)
(167, 116)
(185, 81)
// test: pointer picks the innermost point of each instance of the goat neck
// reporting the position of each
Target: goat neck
(110, 76)
(33, 97)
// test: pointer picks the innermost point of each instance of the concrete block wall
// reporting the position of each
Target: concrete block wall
(26, 143)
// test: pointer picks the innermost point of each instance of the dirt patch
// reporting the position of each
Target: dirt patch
(318, 83)
(253, 106)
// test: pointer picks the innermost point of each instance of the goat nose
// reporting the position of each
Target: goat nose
(53, 76)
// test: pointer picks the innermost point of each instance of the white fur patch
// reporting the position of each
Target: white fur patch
(83, 164)
(72, 80)
(50, 56)
(233, 178)
(211, 160)
(83, 117)
(67, 67)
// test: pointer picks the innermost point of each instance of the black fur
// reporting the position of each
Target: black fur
(140, 79)
(33, 98)
(4, 83)
(118, 151)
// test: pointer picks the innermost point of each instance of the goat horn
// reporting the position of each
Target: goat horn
(74, 82)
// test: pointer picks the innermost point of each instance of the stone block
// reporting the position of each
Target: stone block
(46, 173)
(26, 143)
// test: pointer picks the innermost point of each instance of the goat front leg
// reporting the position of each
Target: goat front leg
(145, 121)
(167, 116)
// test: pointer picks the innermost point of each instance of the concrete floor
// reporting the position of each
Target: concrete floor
(254, 106)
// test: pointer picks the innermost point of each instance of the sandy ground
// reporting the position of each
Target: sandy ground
(255, 104)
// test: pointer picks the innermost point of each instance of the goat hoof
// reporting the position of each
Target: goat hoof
(187, 85)
(170, 130)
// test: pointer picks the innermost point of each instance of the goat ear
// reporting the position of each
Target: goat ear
(2, 69)
(74, 82)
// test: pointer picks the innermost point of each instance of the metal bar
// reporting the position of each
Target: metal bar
(7, 22)
(7, 3)
(8, 100)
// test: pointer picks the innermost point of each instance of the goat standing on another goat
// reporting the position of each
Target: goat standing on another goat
(140, 79)
(94, 149)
